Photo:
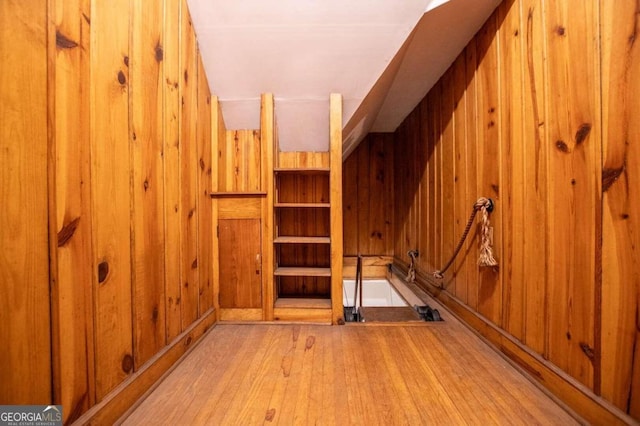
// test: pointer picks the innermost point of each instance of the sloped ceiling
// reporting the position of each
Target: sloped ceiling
(381, 55)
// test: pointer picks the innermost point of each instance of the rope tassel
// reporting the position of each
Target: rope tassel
(486, 251)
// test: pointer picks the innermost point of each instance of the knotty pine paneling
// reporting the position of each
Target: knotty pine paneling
(72, 309)
(205, 215)
(24, 260)
(101, 182)
(535, 177)
(189, 276)
(574, 142)
(368, 192)
(147, 144)
(111, 194)
(172, 184)
(517, 118)
(239, 161)
(621, 205)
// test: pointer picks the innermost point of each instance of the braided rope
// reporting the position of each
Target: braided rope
(486, 252)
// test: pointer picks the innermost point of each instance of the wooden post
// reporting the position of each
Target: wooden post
(335, 184)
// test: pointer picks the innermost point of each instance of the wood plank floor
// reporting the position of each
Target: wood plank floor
(432, 373)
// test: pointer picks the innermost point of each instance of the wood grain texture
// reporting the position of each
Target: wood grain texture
(147, 145)
(240, 263)
(471, 245)
(489, 146)
(268, 140)
(574, 159)
(335, 187)
(117, 404)
(239, 161)
(72, 315)
(368, 197)
(537, 79)
(218, 134)
(621, 204)
(24, 262)
(313, 374)
(461, 205)
(111, 191)
(535, 176)
(189, 273)
(205, 205)
(512, 143)
(172, 175)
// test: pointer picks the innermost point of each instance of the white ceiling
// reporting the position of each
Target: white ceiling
(303, 50)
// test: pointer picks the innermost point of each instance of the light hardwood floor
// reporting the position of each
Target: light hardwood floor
(432, 373)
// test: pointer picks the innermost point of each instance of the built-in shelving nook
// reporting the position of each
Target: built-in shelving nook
(278, 215)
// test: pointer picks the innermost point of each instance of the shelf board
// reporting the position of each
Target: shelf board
(299, 271)
(303, 303)
(304, 170)
(304, 205)
(301, 240)
(238, 194)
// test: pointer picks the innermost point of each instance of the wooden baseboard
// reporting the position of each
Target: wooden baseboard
(240, 314)
(576, 396)
(125, 396)
(313, 315)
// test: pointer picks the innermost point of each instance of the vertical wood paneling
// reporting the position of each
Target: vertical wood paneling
(512, 176)
(448, 171)
(381, 197)
(24, 262)
(368, 194)
(471, 245)
(364, 192)
(422, 158)
(621, 201)
(489, 164)
(147, 143)
(240, 280)
(239, 161)
(535, 229)
(110, 178)
(436, 188)
(72, 303)
(402, 179)
(351, 209)
(172, 184)
(205, 223)
(188, 171)
(462, 205)
(218, 137)
(574, 160)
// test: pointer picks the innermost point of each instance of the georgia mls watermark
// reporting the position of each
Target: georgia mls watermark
(30, 415)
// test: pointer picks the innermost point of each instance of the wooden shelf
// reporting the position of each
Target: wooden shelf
(302, 240)
(304, 205)
(302, 272)
(238, 194)
(305, 170)
(303, 303)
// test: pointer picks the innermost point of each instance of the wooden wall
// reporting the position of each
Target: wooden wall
(24, 255)
(536, 113)
(367, 192)
(107, 127)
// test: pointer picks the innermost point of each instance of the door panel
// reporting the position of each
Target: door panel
(240, 263)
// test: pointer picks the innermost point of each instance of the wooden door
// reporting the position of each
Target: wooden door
(240, 263)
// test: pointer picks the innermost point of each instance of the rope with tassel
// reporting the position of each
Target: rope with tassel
(486, 258)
